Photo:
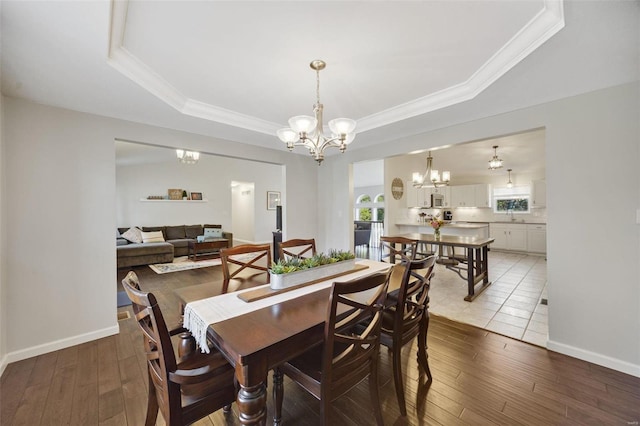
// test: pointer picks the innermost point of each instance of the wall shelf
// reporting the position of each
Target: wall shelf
(145, 200)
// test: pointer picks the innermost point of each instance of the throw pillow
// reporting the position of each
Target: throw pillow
(152, 237)
(212, 233)
(133, 235)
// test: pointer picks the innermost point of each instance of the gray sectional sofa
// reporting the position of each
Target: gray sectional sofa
(176, 243)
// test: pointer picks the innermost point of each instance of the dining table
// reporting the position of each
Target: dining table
(257, 334)
(473, 266)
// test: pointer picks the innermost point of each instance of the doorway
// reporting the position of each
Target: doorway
(243, 211)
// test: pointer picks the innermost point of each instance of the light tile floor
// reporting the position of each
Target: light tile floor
(510, 306)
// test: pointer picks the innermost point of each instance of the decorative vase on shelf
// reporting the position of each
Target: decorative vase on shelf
(436, 234)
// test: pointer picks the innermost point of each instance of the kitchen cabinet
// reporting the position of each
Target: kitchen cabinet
(417, 197)
(482, 195)
(463, 196)
(446, 192)
(539, 193)
(471, 195)
(412, 194)
(509, 236)
(537, 238)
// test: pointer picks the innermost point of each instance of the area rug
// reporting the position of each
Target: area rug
(183, 264)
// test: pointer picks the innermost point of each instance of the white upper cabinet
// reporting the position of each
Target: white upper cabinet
(471, 195)
(412, 194)
(463, 196)
(539, 193)
(483, 195)
(417, 197)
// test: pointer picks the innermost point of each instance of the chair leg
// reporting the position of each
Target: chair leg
(325, 411)
(397, 377)
(152, 404)
(278, 395)
(373, 390)
(423, 357)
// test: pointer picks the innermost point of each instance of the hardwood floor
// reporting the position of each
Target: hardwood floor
(479, 378)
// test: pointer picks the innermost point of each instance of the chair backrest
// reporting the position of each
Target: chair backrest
(349, 350)
(245, 266)
(399, 249)
(157, 343)
(413, 299)
(299, 248)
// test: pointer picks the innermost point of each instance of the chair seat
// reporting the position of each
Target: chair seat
(212, 389)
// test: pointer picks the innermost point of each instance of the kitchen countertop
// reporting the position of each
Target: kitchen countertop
(471, 225)
(466, 225)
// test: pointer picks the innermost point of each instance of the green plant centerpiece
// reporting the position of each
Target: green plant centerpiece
(294, 271)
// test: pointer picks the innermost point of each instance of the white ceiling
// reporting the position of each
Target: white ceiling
(238, 70)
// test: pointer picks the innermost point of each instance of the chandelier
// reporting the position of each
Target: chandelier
(495, 162)
(307, 131)
(187, 157)
(509, 184)
(431, 177)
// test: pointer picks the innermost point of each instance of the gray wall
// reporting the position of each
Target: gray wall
(59, 171)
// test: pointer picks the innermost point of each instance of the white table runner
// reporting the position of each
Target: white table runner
(200, 314)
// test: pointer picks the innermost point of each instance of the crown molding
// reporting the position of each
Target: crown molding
(538, 30)
(136, 70)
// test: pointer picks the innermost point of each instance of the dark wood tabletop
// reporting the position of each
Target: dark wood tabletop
(449, 240)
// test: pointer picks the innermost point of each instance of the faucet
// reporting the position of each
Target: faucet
(510, 211)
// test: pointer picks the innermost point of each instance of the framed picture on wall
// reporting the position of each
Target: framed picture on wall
(273, 200)
(196, 195)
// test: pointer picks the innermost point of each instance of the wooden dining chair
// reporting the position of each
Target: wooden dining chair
(400, 249)
(299, 248)
(408, 317)
(245, 266)
(347, 356)
(187, 341)
(184, 390)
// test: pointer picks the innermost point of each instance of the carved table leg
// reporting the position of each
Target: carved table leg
(252, 404)
(187, 344)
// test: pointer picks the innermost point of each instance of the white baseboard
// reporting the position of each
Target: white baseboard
(58, 344)
(595, 358)
(3, 364)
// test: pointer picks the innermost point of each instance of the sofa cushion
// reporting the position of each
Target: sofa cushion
(175, 232)
(144, 249)
(133, 234)
(152, 237)
(192, 231)
(155, 228)
(213, 226)
(180, 243)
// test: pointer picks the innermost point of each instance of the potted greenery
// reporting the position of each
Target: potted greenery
(294, 271)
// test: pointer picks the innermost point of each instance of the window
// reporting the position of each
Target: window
(363, 213)
(512, 200)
